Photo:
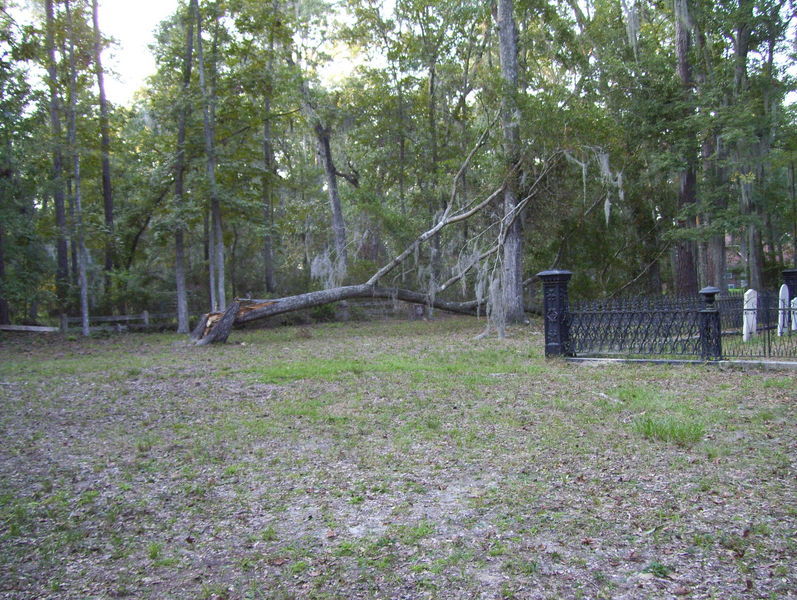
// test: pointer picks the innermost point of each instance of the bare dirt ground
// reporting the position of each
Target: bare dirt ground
(388, 460)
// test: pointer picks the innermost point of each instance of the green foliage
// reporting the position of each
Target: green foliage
(323, 313)
(606, 131)
(658, 569)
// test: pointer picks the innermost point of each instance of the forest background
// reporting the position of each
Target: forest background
(649, 147)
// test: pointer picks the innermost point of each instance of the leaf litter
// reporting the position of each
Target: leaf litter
(391, 460)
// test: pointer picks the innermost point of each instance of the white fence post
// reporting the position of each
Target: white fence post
(783, 310)
(750, 314)
(794, 314)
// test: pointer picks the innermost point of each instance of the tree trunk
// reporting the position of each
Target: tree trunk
(269, 177)
(81, 247)
(715, 256)
(70, 224)
(322, 134)
(105, 150)
(330, 176)
(793, 193)
(216, 327)
(4, 312)
(234, 262)
(208, 246)
(62, 260)
(745, 148)
(755, 257)
(179, 175)
(686, 281)
(436, 251)
(712, 263)
(216, 231)
(269, 168)
(510, 120)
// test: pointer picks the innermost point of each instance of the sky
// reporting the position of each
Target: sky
(132, 24)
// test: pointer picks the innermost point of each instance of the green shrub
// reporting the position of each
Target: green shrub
(324, 313)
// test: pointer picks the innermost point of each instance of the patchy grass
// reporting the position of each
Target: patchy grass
(387, 460)
(670, 429)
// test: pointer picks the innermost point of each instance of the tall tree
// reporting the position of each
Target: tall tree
(685, 264)
(322, 131)
(209, 116)
(57, 182)
(510, 120)
(105, 149)
(269, 163)
(179, 179)
(74, 150)
(4, 312)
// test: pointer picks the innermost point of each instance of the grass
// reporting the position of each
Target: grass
(475, 366)
(397, 459)
(670, 429)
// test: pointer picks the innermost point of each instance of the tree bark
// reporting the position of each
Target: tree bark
(207, 243)
(715, 254)
(216, 231)
(510, 120)
(712, 259)
(105, 150)
(179, 175)
(62, 259)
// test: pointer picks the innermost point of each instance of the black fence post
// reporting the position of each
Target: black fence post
(790, 279)
(556, 307)
(710, 328)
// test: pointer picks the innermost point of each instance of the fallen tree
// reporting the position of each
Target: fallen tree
(215, 327)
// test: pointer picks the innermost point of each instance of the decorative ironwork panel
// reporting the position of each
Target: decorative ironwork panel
(636, 332)
(712, 326)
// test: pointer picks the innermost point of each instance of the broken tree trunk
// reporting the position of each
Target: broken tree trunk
(216, 327)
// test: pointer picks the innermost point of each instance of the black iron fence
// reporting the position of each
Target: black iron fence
(774, 335)
(708, 327)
